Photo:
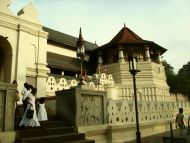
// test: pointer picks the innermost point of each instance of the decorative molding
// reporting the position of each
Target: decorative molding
(12, 22)
(31, 71)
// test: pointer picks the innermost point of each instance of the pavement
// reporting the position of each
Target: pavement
(158, 138)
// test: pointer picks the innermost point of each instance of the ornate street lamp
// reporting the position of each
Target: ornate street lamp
(133, 70)
(81, 54)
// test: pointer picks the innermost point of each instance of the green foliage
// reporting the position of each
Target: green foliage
(180, 82)
(184, 79)
(171, 77)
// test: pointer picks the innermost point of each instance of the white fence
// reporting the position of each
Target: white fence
(123, 111)
(96, 82)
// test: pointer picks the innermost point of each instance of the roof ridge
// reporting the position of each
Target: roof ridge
(134, 34)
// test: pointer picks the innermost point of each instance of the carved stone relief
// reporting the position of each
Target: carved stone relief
(91, 109)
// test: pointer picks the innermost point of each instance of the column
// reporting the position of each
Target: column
(121, 57)
(100, 61)
(147, 54)
(158, 57)
(41, 65)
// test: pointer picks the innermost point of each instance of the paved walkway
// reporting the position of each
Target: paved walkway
(158, 138)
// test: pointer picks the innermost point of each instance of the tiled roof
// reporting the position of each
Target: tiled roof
(65, 39)
(128, 37)
(125, 35)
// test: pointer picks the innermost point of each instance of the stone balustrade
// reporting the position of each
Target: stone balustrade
(95, 82)
(143, 93)
(105, 82)
(149, 94)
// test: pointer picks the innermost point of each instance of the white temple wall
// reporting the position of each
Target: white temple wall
(154, 118)
(9, 30)
(122, 133)
(155, 112)
(150, 73)
(28, 43)
(32, 57)
(123, 111)
(105, 82)
(61, 50)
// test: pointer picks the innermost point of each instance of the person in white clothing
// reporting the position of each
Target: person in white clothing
(25, 92)
(188, 127)
(27, 122)
(17, 97)
(42, 114)
(24, 89)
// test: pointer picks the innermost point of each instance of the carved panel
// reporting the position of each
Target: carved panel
(91, 109)
(148, 111)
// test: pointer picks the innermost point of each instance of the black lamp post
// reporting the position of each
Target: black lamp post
(81, 54)
(133, 70)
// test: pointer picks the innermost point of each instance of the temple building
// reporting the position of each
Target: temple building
(47, 59)
(113, 57)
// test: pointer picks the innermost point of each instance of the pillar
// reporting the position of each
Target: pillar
(41, 65)
(158, 57)
(121, 57)
(147, 54)
(100, 61)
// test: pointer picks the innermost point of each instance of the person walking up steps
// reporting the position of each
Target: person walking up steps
(30, 122)
(42, 114)
(17, 96)
(25, 92)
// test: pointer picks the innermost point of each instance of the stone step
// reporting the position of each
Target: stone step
(49, 124)
(58, 138)
(19, 111)
(41, 132)
(82, 141)
(18, 118)
(56, 132)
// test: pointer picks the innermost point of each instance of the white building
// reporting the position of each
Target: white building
(45, 58)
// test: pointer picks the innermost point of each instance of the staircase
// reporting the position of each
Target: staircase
(55, 132)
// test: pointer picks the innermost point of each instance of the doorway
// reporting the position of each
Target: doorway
(5, 60)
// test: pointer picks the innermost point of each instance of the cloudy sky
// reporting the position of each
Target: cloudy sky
(166, 22)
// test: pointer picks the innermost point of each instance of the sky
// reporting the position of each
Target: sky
(166, 22)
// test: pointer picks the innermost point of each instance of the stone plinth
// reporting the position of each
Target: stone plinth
(81, 106)
(7, 106)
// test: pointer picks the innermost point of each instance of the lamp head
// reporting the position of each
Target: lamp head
(80, 45)
(132, 63)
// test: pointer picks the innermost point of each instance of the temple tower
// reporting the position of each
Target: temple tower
(151, 81)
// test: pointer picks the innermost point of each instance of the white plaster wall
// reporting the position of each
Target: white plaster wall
(61, 50)
(28, 42)
(117, 133)
(26, 50)
(23, 57)
(32, 56)
(11, 35)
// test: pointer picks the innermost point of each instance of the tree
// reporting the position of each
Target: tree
(184, 79)
(171, 77)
